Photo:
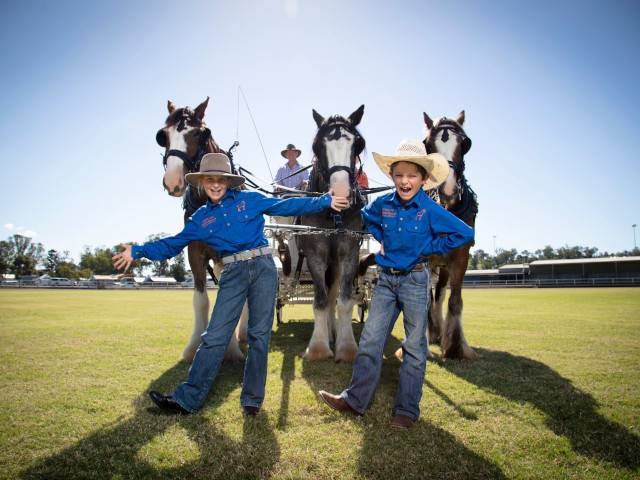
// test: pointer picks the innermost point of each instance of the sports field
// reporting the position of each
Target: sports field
(555, 394)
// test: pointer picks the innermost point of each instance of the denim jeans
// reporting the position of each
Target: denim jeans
(257, 281)
(393, 294)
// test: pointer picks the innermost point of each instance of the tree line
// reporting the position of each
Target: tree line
(22, 256)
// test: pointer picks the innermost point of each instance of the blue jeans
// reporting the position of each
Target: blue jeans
(257, 281)
(393, 294)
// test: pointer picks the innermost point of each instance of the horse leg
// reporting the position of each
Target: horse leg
(318, 348)
(200, 301)
(333, 296)
(436, 320)
(453, 343)
(346, 346)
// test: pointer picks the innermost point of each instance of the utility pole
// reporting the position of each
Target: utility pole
(635, 245)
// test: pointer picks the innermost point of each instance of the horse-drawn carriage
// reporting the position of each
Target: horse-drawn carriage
(332, 282)
(295, 286)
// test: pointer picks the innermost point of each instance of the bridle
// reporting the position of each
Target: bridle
(356, 149)
(449, 127)
(192, 163)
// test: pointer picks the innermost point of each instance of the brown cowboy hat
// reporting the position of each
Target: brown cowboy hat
(214, 165)
(290, 147)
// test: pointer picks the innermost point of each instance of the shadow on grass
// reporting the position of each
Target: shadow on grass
(425, 451)
(570, 412)
(116, 451)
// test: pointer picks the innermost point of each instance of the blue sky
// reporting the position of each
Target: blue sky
(549, 90)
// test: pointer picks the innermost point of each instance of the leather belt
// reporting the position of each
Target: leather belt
(394, 271)
(246, 255)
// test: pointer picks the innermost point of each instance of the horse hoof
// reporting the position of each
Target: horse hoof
(188, 354)
(234, 357)
(460, 352)
(346, 354)
(317, 353)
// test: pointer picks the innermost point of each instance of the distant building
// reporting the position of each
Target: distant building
(586, 268)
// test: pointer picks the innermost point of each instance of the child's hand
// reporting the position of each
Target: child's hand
(338, 202)
(123, 260)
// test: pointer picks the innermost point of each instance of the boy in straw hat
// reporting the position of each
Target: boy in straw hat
(409, 227)
(232, 224)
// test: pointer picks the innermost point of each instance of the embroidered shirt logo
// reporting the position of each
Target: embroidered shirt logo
(389, 213)
(208, 221)
(242, 206)
(421, 213)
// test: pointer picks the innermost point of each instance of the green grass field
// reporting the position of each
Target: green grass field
(555, 394)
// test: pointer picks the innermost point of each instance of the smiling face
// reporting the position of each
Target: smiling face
(215, 187)
(408, 179)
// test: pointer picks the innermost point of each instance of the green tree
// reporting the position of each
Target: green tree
(159, 268)
(98, 260)
(26, 255)
(51, 262)
(177, 269)
(6, 256)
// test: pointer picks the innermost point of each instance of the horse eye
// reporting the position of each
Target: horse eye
(161, 138)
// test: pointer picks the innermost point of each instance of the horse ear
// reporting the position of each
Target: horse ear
(318, 118)
(201, 108)
(171, 106)
(356, 116)
(460, 118)
(427, 121)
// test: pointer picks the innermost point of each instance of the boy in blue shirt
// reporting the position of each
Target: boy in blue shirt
(410, 227)
(232, 224)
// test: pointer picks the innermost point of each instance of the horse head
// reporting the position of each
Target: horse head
(336, 147)
(185, 138)
(446, 136)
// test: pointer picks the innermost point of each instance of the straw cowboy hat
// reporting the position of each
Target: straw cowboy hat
(215, 164)
(290, 147)
(413, 151)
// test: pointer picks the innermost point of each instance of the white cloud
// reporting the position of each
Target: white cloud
(25, 232)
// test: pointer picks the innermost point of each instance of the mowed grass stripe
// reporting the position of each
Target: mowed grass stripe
(553, 395)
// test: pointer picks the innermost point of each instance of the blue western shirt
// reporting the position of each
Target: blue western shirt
(232, 225)
(412, 231)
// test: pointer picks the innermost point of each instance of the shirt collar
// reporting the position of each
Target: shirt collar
(415, 200)
(230, 194)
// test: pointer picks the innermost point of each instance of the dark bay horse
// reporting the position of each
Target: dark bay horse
(446, 136)
(333, 259)
(186, 139)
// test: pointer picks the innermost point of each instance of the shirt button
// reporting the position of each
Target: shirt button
(400, 218)
(400, 229)
(210, 231)
(224, 214)
(228, 224)
(246, 216)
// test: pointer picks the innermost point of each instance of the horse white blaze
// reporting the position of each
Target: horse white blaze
(173, 180)
(448, 149)
(339, 155)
